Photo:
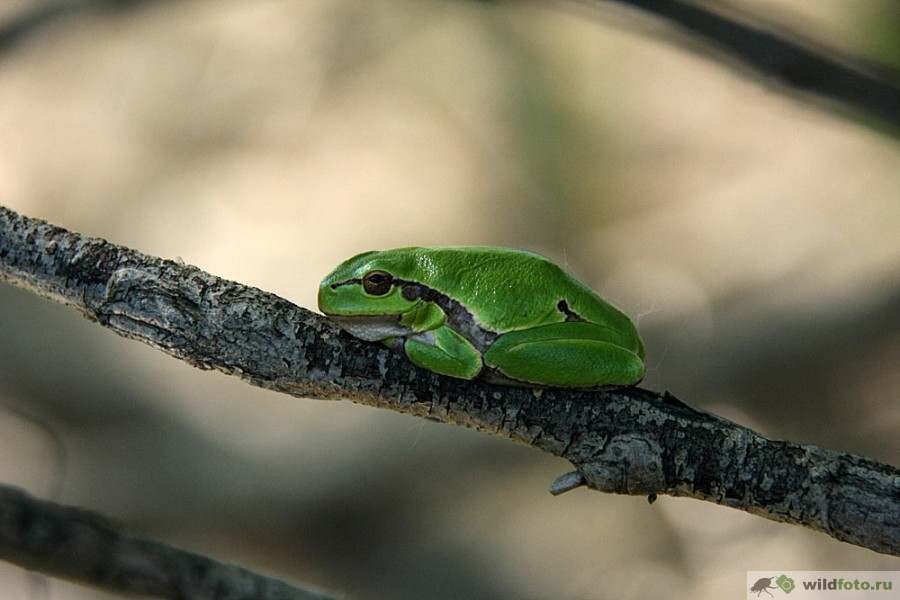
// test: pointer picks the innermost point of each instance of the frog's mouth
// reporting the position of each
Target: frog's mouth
(372, 328)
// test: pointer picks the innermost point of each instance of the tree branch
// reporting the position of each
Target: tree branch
(777, 58)
(626, 441)
(870, 89)
(24, 24)
(84, 547)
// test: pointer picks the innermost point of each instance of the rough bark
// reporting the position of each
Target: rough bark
(82, 546)
(626, 441)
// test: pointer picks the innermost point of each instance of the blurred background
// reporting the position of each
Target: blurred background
(752, 234)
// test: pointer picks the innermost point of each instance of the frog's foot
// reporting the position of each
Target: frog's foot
(394, 343)
(573, 354)
(444, 351)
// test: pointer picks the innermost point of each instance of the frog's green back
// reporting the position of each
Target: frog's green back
(506, 289)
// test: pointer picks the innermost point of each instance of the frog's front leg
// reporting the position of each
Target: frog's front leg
(444, 351)
(570, 354)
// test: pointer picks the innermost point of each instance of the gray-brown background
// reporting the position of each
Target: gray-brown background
(753, 236)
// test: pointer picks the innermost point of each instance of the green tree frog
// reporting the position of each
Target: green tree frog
(506, 315)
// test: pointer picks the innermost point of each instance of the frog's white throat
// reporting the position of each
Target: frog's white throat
(372, 328)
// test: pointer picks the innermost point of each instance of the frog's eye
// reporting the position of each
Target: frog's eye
(377, 283)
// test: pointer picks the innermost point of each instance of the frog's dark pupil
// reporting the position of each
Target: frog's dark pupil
(377, 283)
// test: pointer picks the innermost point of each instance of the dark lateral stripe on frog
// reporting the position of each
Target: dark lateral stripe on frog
(458, 316)
(355, 281)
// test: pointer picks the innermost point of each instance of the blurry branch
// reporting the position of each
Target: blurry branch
(28, 22)
(626, 440)
(796, 66)
(777, 58)
(84, 547)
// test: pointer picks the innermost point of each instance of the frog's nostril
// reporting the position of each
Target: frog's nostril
(334, 286)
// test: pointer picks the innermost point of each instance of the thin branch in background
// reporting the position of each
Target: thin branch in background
(866, 90)
(60, 455)
(625, 441)
(84, 547)
(38, 582)
(29, 22)
(774, 56)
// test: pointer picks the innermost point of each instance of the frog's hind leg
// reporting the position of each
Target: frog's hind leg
(444, 351)
(570, 354)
